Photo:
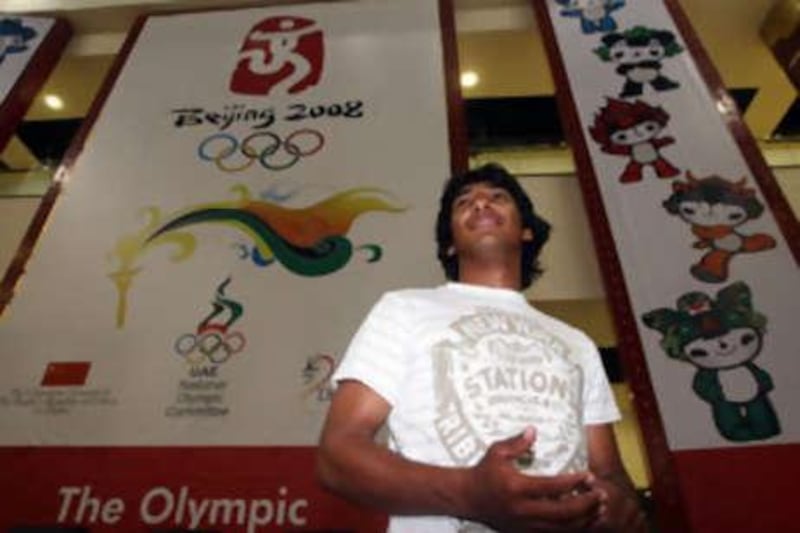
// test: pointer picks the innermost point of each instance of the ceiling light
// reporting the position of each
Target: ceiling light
(469, 79)
(54, 102)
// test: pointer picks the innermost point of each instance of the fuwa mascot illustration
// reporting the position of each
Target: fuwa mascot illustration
(633, 130)
(14, 37)
(721, 338)
(639, 53)
(595, 15)
(715, 208)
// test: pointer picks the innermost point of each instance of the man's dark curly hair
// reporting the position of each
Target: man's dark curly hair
(496, 176)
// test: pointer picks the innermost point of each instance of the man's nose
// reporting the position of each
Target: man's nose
(480, 202)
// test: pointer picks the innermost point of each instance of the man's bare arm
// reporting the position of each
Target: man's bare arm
(350, 463)
(621, 509)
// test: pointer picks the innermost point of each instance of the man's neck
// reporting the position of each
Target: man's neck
(499, 276)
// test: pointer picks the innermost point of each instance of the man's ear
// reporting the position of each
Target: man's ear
(527, 234)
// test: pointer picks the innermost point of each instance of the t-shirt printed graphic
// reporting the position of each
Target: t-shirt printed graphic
(500, 372)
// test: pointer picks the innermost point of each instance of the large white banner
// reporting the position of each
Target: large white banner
(254, 181)
(711, 278)
(243, 188)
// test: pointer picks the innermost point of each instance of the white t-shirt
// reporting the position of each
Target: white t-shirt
(464, 366)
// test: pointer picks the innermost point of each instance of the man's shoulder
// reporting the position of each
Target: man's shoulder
(560, 326)
(409, 299)
(411, 293)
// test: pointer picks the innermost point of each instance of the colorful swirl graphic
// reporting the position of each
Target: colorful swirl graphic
(308, 241)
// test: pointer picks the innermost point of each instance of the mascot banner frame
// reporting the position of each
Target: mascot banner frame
(699, 252)
(30, 48)
(228, 216)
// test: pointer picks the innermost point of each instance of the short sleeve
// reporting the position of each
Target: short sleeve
(600, 407)
(377, 355)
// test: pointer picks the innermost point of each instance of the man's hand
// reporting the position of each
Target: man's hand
(508, 500)
(621, 511)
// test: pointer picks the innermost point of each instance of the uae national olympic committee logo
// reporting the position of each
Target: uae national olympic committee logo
(213, 342)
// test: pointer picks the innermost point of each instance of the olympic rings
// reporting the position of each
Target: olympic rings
(293, 148)
(185, 346)
(270, 154)
(224, 154)
(209, 345)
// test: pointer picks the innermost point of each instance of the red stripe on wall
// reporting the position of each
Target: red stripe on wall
(226, 489)
(741, 489)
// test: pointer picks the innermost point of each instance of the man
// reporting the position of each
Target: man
(498, 415)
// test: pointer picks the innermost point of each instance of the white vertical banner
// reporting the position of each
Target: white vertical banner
(21, 36)
(253, 182)
(29, 49)
(711, 278)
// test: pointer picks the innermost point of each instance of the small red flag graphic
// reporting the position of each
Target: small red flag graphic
(67, 373)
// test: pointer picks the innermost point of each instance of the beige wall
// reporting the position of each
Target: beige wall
(789, 180)
(15, 215)
(742, 58)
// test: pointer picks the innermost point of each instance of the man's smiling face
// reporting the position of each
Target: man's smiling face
(486, 217)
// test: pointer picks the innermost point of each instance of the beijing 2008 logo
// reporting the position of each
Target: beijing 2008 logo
(279, 55)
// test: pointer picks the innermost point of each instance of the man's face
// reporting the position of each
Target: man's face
(486, 217)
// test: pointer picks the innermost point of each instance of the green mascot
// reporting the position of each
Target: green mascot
(721, 338)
